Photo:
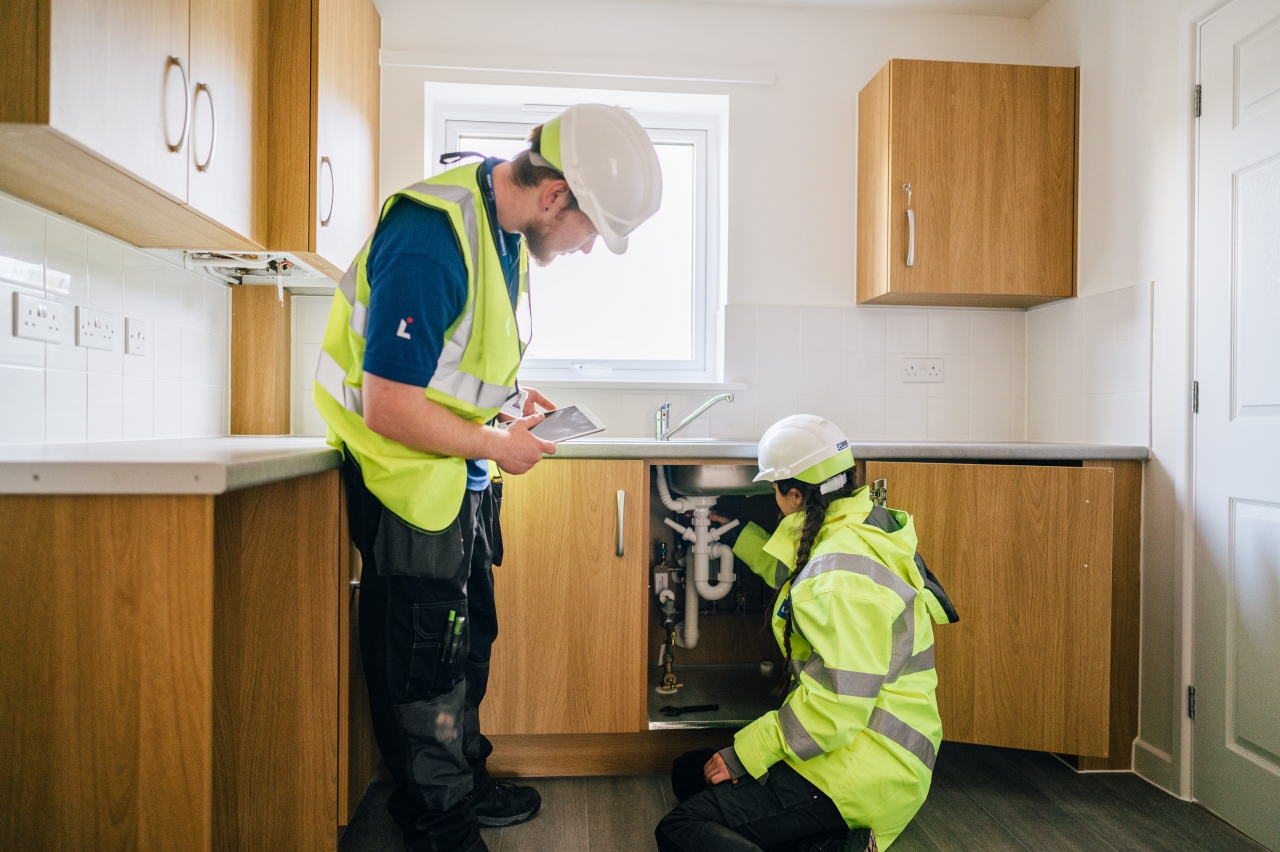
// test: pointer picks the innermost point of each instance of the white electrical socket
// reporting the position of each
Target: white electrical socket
(37, 319)
(135, 336)
(922, 369)
(96, 329)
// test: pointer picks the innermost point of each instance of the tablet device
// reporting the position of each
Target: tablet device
(565, 424)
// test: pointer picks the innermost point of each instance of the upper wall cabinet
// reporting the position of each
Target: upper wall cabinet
(133, 116)
(967, 184)
(324, 148)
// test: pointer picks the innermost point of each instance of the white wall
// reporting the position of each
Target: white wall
(1135, 160)
(65, 393)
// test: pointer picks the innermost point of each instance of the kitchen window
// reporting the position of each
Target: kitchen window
(648, 315)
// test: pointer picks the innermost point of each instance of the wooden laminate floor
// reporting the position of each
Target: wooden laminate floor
(988, 799)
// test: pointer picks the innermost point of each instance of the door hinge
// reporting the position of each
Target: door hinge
(1191, 702)
(1195, 397)
(1195, 101)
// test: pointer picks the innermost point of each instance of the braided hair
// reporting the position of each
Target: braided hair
(814, 508)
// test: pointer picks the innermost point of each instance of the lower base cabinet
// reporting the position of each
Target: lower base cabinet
(170, 674)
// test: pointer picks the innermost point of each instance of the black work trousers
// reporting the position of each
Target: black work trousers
(777, 816)
(425, 680)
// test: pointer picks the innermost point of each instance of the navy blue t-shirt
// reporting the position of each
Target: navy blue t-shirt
(418, 287)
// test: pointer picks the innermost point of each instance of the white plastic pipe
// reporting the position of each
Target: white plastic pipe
(724, 578)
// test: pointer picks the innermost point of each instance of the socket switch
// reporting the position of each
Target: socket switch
(96, 329)
(135, 336)
(37, 319)
(922, 369)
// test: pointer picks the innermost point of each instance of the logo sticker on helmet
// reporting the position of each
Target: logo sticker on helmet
(843, 445)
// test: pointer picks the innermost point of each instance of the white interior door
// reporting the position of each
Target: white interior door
(1236, 762)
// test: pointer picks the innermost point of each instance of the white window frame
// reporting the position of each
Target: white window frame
(450, 121)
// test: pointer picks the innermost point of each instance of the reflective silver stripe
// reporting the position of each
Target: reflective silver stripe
(331, 377)
(919, 663)
(780, 573)
(360, 318)
(449, 378)
(891, 727)
(842, 682)
(904, 627)
(348, 283)
(732, 763)
(798, 739)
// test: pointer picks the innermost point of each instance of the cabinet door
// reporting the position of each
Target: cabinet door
(118, 83)
(990, 154)
(1025, 554)
(570, 653)
(346, 130)
(224, 110)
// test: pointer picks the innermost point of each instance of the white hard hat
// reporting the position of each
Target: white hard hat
(805, 447)
(610, 164)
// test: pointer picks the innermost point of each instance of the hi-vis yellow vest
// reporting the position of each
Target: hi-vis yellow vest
(861, 722)
(474, 376)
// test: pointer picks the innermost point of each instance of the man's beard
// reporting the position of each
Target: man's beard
(536, 236)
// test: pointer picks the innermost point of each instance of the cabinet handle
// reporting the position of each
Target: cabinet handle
(186, 104)
(622, 517)
(213, 127)
(324, 161)
(911, 237)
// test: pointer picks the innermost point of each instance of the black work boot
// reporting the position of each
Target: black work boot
(507, 804)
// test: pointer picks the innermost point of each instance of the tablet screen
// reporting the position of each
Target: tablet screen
(565, 424)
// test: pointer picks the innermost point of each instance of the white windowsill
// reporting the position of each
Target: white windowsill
(633, 385)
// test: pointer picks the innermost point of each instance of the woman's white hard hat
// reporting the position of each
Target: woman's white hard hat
(805, 447)
(610, 163)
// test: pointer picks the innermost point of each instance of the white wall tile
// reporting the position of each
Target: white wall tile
(990, 420)
(108, 361)
(22, 411)
(821, 329)
(106, 407)
(16, 350)
(864, 418)
(991, 332)
(894, 386)
(948, 332)
(1132, 308)
(1018, 333)
(167, 409)
(141, 271)
(138, 413)
(198, 357)
(829, 407)
(1018, 376)
(955, 378)
(66, 406)
(311, 315)
(864, 329)
(734, 421)
(216, 313)
(106, 273)
(778, 328)
(991, 376)
(818, 373)
(201, 411)
(772, 407)
(740, 366)
(66, 271)
(863, 374)
(948, 419)
(21, 244)
(905, 418)
(906, 331)
(166, 349)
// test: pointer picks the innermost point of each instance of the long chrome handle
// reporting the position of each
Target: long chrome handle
(186, 105)
(622, 518)
(213, 127)
(324, 161)
(911, 237)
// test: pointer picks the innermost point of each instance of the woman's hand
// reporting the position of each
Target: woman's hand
(715, 771)
(536, 398)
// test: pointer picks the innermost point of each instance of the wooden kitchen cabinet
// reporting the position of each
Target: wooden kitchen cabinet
(171, 670)
(570, 654)
(990, 155)
(1042, 564)
(97, 109)
(323, 173)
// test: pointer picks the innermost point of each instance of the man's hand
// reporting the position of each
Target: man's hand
(539, 399)
(519, 449)
(715, 771)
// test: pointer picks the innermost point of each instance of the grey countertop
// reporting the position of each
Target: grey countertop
(967, 450)
(177, 466)
(218, 465)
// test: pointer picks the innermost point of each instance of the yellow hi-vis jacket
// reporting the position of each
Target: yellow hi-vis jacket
(861, 722)
(475, 375)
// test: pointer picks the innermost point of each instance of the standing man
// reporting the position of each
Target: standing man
(420, 356)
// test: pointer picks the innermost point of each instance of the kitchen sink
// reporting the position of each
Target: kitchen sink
(715, 480)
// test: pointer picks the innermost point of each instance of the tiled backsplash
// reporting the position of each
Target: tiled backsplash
(62, 392)
(1090, 369)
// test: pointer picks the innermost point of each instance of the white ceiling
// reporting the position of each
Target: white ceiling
(1007, 8)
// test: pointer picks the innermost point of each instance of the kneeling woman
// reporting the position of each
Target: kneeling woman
(847, 760)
